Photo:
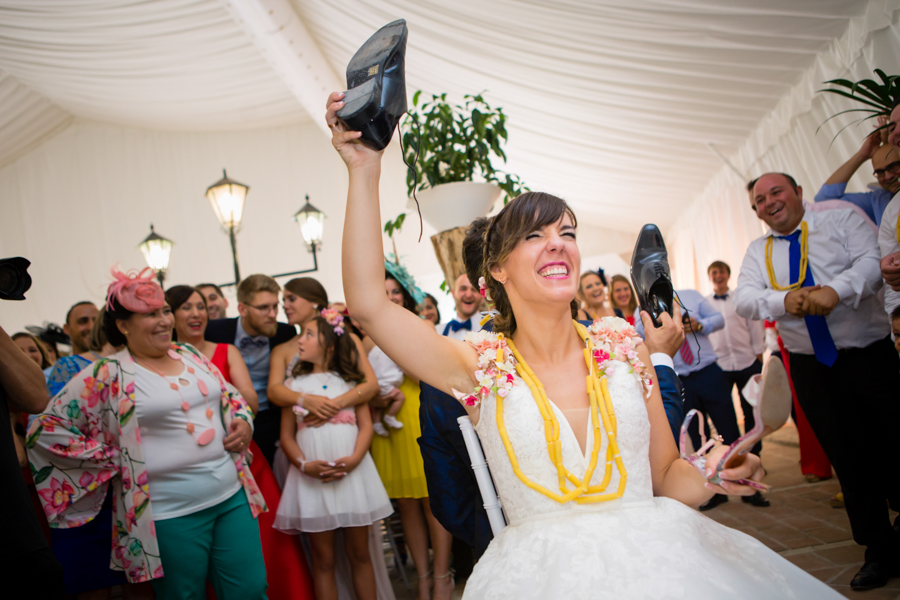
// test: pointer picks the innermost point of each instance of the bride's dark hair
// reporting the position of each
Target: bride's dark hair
(498, 237)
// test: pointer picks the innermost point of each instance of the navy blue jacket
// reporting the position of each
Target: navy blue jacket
(452, 489)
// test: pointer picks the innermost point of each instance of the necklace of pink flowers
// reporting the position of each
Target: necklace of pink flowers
(208, 435)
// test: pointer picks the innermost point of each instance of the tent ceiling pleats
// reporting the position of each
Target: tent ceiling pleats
(618, 107)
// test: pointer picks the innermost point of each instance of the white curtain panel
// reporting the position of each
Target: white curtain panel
(719, 224)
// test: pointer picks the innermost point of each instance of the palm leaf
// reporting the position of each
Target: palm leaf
(852, 97)
(875, 113)
(872, 90)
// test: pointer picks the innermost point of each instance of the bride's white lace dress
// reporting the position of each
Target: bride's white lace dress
(638, 547)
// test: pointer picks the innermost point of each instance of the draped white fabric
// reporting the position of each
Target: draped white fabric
(611, 104)
(168, 64)
(719, 224)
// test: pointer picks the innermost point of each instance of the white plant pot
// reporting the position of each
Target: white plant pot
(452, 205)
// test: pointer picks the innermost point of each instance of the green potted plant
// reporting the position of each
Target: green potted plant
(455, 144)
(877, 97)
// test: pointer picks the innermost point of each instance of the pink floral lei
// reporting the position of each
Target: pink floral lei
(616, 340)
(496, 365)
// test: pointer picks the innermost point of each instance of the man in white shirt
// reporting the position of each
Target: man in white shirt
(468, 299)
(890, 263)
(889, 244)
(739, 345)
(845, 370)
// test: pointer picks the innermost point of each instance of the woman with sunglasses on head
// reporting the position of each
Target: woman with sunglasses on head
(592, 294)
(536, 389)
(155, 421)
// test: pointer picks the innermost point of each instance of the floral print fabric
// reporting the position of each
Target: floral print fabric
(89, 437)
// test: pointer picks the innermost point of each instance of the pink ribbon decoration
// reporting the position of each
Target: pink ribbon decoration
(135, 291)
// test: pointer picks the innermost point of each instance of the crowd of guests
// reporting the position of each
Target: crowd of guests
(197, 426)
(164, 397)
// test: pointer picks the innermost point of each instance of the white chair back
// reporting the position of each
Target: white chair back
(482, 476)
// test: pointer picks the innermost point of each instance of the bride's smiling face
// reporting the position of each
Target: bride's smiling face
(544, 266)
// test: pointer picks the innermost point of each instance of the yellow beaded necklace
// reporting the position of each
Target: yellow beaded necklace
(596, 387)
(804, 260)
(897, 229)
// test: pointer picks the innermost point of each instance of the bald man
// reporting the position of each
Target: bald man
(845, 369)
(886, 168)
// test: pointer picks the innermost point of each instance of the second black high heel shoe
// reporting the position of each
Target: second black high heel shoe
(376, 86)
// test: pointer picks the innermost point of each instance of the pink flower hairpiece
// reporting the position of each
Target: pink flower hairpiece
(482, 287)
(333, 318)
(135, 291)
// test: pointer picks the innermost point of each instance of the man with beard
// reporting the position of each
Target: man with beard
(467, 299)
(216, 304)
(255, 333)
(886, 168)
(817, 275)
(79, 325)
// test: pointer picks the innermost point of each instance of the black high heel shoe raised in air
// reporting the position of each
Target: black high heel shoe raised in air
(376, 86)
(650, 274)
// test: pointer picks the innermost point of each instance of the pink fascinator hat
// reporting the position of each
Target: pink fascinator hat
(135, 291)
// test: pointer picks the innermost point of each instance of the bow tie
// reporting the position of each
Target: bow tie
(457, 325)
(254, 342)
(722, 297)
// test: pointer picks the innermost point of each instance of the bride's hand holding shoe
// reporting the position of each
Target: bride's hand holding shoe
(354, 154)
(746, 467)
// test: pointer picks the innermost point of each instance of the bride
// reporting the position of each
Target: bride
(570, 419)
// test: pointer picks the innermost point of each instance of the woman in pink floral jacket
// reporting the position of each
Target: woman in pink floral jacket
(142, 420)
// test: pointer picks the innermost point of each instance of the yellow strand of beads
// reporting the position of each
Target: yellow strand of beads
(600, 412)
(804, 260)
(897, 229)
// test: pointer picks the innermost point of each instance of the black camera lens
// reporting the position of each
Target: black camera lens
(14, 278)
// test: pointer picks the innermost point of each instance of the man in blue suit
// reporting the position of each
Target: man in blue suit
(452, 490)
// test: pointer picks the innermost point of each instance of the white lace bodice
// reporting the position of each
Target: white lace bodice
(525, 428)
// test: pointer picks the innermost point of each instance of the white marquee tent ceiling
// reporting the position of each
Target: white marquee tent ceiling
(618, 107)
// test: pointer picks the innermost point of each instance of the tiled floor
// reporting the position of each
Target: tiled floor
(800, 524)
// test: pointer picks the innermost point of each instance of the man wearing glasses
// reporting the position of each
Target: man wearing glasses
(255, 333)
(886, 168)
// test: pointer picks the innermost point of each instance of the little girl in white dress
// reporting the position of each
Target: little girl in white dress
(332, 483)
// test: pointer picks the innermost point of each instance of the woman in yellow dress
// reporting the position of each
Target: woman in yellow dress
(399, 461)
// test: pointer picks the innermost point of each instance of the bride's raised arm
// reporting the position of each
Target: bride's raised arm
(408, 340)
